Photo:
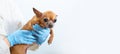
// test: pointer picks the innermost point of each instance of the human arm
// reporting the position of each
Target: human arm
(4, 48)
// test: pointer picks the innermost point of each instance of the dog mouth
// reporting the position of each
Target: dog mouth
(50, 26)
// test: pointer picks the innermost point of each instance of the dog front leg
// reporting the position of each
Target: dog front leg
(51, 36)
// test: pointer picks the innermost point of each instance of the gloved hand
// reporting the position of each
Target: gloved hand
(21, 37)
(37, 35)
(40, 33)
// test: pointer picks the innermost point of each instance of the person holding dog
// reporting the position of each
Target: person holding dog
(11, 20)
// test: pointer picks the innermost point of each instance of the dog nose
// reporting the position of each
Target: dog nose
(50, 26)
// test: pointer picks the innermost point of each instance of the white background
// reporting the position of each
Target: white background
(83, 26)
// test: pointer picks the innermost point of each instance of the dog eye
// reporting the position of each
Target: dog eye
(55, 20)
(45, 20)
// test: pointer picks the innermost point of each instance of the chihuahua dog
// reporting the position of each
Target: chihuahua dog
(45, 19)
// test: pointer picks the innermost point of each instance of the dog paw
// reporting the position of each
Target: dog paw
(49, 42)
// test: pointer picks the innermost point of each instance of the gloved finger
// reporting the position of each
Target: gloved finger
(41, 35)
(29, 41)
(37, 27)
(37, 32)
(47, 29)
(25, 32)
(39, 43)
(42, 39)
(30, 37)
(44, 31)
(38, 36)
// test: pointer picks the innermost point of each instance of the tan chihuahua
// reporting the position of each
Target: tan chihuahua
(46, 19)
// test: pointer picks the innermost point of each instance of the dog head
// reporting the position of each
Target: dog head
(45, 19)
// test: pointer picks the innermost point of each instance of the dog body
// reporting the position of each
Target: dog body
(45, 20)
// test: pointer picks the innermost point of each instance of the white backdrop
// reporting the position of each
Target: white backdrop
(83, 26)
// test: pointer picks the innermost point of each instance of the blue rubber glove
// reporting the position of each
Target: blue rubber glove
(21, 37)
(40, 33)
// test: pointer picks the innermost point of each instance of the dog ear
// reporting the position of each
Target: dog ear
(38, 13)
